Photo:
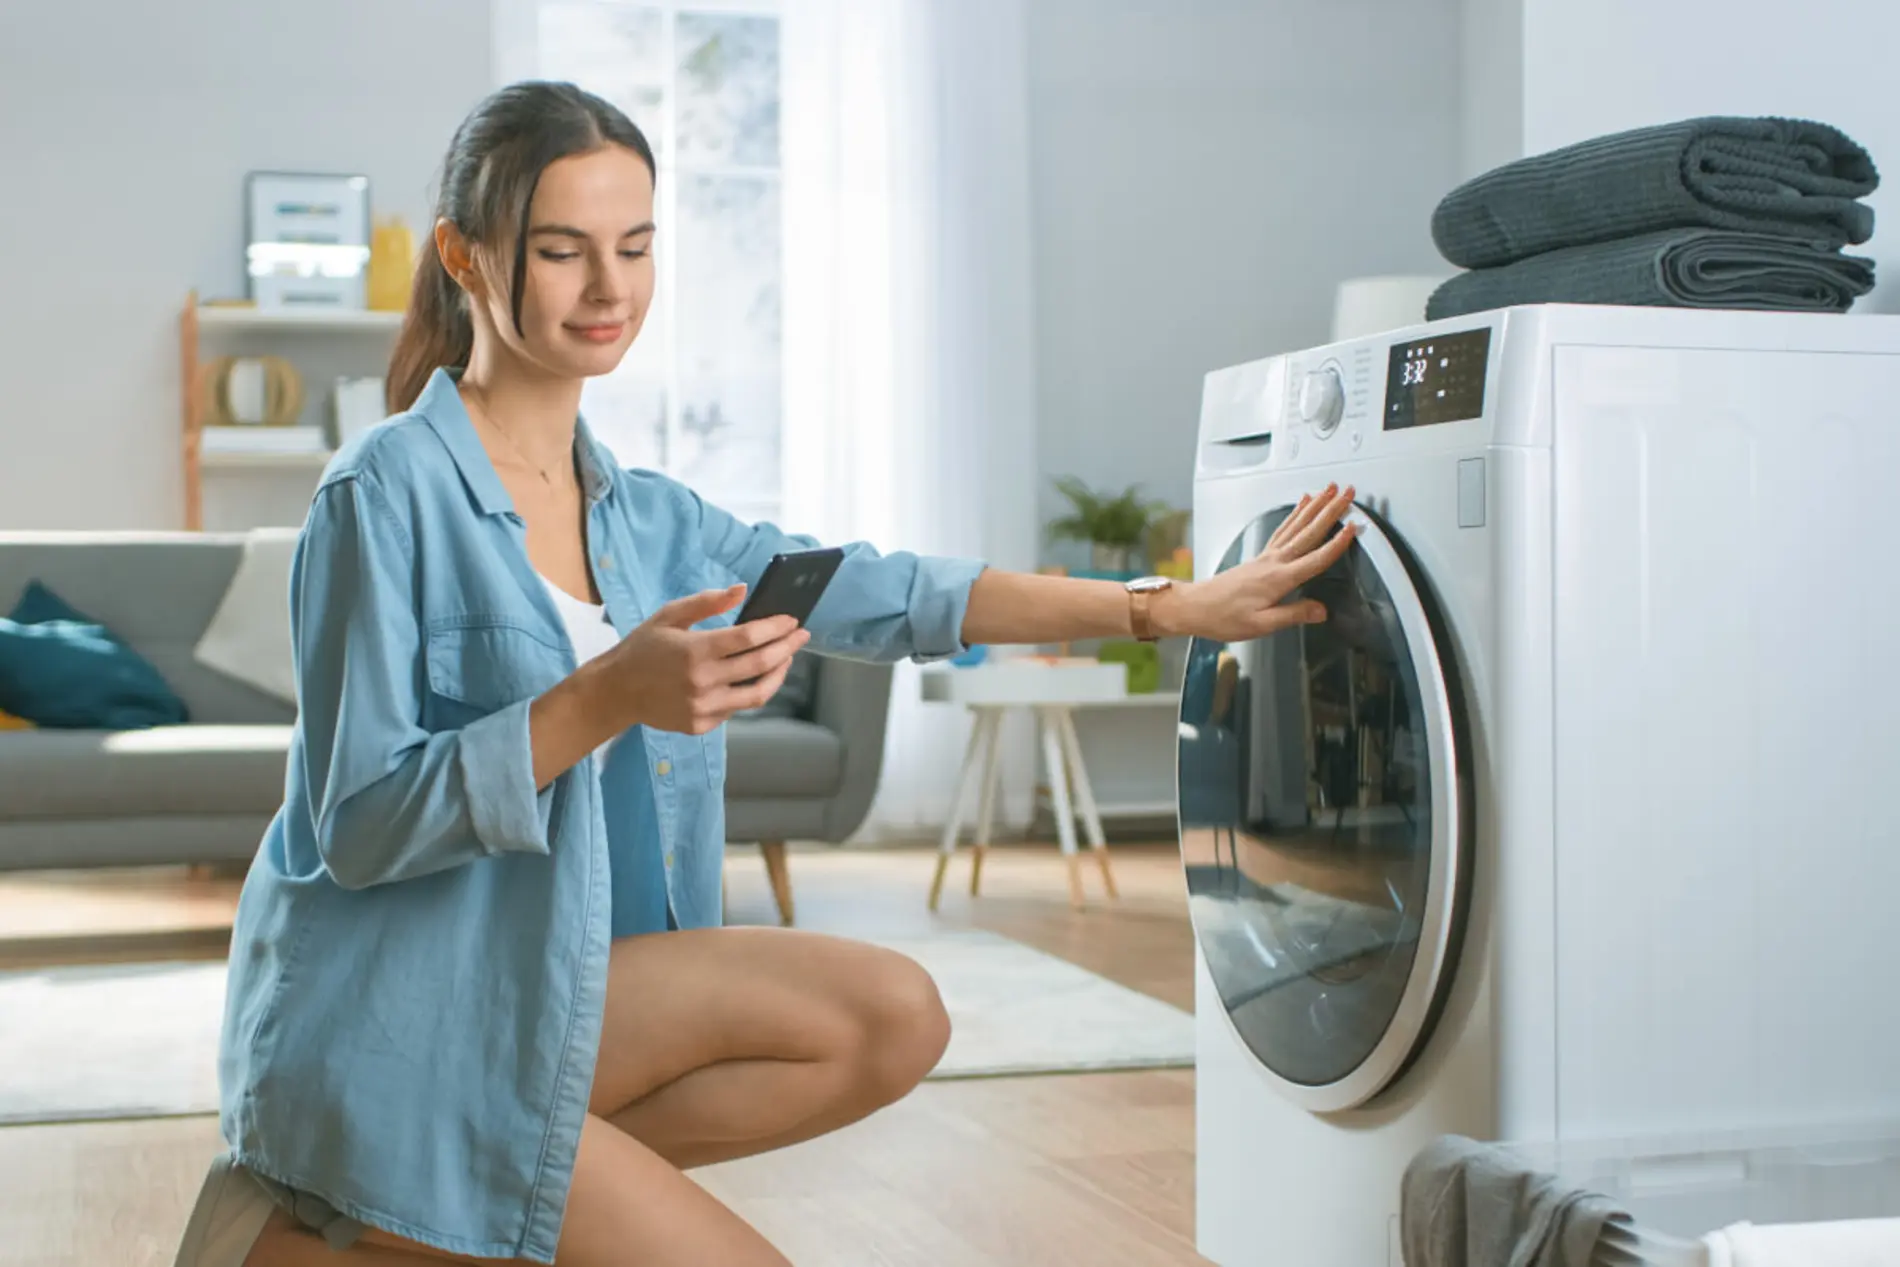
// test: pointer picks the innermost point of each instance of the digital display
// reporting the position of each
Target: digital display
(1438, 378)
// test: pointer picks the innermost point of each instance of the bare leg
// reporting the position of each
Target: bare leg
(715, 1044)
(721, 1043)
(626, 1204)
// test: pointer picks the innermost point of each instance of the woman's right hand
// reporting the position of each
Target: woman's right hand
(670, 676)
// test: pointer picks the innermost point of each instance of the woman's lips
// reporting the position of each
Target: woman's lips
(601, 333)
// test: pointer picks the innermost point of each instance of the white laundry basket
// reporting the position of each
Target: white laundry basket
(1679, 1190)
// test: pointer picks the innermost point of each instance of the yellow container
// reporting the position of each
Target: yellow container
(392, 264)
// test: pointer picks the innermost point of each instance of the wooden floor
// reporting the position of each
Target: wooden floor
(1065, 1169)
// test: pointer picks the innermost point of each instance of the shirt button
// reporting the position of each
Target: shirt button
(663, 769)
(669, 860)
(606, 562)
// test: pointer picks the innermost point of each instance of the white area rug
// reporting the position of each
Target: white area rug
(110, 1040)
(141, 1040)
(1017, 1010)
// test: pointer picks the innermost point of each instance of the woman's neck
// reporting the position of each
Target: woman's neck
(536, 412)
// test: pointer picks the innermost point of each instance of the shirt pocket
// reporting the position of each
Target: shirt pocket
(479, 668)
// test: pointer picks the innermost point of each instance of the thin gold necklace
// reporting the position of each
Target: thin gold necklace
(481, 411)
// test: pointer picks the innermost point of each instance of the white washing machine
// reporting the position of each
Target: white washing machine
(1576, 825)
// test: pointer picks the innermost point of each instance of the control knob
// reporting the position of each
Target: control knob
(1323, 400)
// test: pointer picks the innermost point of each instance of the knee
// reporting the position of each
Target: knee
(906, 1032)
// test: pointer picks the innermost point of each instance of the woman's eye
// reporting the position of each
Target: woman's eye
(633, 255)
(558, 256)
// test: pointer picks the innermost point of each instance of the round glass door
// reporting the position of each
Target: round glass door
(1324, 829)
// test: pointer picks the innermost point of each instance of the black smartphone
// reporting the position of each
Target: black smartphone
(792, 584)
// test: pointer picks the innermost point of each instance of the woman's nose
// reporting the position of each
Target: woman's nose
(607, 286)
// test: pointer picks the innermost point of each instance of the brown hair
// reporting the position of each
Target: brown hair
(487, 183)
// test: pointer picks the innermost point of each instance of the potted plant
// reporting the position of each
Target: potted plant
(1114, 527)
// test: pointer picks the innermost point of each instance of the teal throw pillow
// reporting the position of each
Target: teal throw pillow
(39, 605)
(64, 671)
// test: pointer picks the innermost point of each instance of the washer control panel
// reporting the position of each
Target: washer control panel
(1393, 392)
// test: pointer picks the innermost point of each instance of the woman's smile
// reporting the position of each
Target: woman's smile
(599, 333)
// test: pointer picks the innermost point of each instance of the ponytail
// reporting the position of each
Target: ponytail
(436, 333)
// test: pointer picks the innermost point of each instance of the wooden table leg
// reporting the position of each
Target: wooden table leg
(1085, 797)
(779, 872)
(992, 720)
(954, 828)
(1050, 718)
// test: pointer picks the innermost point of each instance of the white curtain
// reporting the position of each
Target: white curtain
(909, 318)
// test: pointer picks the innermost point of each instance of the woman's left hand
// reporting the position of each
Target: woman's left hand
(1247, 601)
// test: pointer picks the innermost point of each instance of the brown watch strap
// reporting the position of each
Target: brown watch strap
(1140, 622)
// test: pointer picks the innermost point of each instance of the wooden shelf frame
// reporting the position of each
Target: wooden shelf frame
(194, 322)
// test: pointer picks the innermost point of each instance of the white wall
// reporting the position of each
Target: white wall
(1585, 70)
(1492, 76)
(1201, 177)
(126, 129)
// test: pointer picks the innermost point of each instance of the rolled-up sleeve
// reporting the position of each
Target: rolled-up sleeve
(879, 606)
(496, 758)
(389, 799)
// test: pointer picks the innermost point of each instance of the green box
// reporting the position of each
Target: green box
(1143, 660)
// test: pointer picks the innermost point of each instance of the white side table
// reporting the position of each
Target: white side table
(1052, 692)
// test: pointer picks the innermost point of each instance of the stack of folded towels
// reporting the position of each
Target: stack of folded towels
(1707, 213)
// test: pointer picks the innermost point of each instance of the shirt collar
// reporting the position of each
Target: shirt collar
(440, 405)
(596, 462)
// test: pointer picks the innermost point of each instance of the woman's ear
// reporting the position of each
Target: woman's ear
(458, 260)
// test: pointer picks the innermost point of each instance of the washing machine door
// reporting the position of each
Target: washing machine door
(1326, 823)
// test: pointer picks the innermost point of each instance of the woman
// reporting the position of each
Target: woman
(480, 1006)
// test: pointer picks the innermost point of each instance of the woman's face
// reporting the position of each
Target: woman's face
(589, 277)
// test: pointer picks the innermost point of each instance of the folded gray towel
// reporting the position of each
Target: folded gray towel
(1782, 176)
(1681, 268)
(1466, 1204)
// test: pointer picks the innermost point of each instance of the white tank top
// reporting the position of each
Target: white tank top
(587, 628)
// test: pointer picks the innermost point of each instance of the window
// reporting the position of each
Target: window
(700, 395)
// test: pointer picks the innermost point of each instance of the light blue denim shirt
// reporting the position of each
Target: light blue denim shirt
(420, 954)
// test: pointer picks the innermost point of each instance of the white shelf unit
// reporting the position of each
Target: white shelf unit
(315, 321)
(224, 460)
(199, 322)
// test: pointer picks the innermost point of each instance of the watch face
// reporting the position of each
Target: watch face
(1148, 584)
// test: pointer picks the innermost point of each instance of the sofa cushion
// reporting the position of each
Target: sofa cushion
(90, 774)
(777, 756)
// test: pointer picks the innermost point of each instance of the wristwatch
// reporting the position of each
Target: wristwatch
(1140, 591)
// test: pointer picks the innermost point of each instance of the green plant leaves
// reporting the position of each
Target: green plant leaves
(1121, 520)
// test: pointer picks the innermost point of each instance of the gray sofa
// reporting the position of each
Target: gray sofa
(204, 792)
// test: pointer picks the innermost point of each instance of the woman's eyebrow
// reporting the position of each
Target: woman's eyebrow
(569, 231)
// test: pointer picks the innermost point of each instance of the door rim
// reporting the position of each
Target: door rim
(1441, 928)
